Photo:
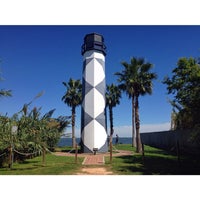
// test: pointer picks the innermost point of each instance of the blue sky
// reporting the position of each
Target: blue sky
(40, 58)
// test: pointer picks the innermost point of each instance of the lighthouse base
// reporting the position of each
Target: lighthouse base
(103, 149)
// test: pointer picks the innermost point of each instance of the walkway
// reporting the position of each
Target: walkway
(94, 160)
(98, 159)
(95, 164)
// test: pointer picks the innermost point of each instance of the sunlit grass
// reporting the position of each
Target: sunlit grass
(54, 165)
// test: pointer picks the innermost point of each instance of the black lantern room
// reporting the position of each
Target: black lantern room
(93, 41)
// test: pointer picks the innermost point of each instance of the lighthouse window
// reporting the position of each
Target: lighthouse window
(98, 38)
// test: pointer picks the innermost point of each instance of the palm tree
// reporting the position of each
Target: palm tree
(113, 94)
(136, 80)
(73, 98)
(126, 80)
(5, 93)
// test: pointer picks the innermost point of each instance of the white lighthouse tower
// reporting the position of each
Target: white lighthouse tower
(93, 120)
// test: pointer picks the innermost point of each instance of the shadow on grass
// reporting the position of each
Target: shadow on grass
(26, 168)
(71, 151)
(14, 168)
(158, 151)
(157, 165)
(28, 161)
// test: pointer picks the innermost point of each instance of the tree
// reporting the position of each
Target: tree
(3, 92)
(73, 98)
(136, 79)
(6, 140)
(27, 133)
(185, 86)
(113, 95)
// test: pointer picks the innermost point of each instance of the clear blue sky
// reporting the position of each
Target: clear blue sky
(39, 58)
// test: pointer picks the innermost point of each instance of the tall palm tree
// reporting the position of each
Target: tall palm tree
(113, 94)
(126, 79)
(73, 98)
(136, 79)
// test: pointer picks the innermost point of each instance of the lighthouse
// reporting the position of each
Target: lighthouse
(93, 114)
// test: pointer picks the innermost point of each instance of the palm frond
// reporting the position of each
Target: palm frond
(48, 114)
(5, 93)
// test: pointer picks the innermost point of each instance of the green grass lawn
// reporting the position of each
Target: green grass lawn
(155, 162)
(55, 165)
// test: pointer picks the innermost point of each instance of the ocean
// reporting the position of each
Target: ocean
(68, 141)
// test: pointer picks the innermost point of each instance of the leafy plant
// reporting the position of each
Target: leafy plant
(185, 86)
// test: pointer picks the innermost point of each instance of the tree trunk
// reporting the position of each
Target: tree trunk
(111, 131)
(133, 122)
(110, 152)
(137, 124)
(111, 123)
(76, 154)
(73, 127)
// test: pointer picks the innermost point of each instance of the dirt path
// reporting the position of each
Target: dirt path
(94, 165)
(94, 171)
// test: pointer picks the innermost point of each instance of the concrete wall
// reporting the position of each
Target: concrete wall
(168, 140)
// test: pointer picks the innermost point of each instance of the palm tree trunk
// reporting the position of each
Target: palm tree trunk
(137, 124)
(111, 131)
(73, 127)
(111, 123)
(133, 122)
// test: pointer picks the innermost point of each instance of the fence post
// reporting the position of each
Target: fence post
(43, 156)
(143, 152)
(10, 157)
(110, 151)
(178, 152)
(76, 153)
